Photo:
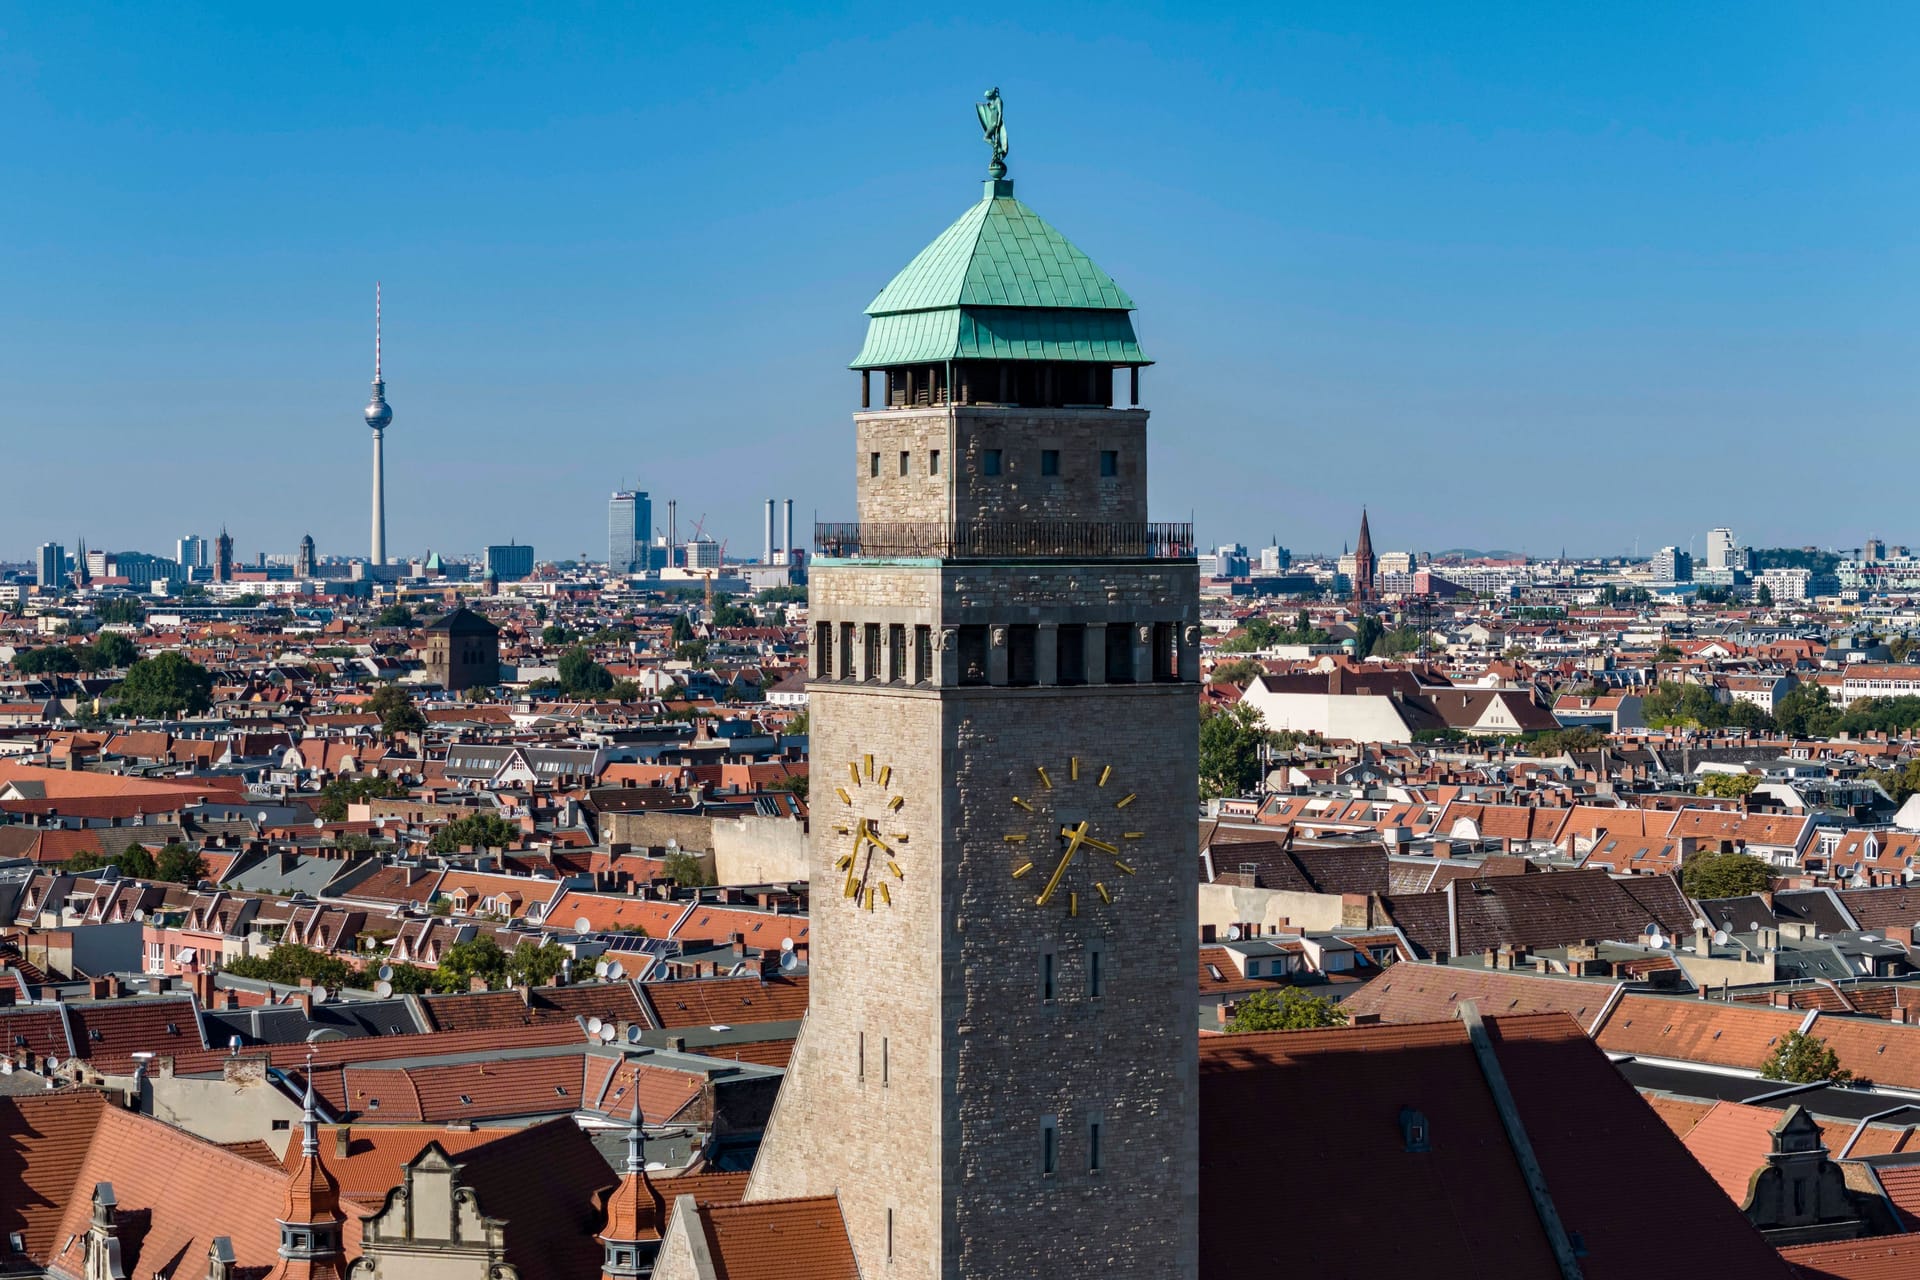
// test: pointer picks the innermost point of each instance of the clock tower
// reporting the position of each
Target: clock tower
(996, 1075)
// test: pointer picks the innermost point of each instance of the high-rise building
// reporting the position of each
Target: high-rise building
(629, 524)
(510, 563)
(1670, 564)
(701, 553)
(191, 552)
(223, 556)
(379, 414)
(997, 1075)
(306, 564)
(1720, 546)
(51, 570)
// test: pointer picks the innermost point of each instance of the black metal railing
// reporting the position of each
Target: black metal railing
(992, 539)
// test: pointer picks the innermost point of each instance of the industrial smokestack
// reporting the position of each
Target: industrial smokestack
(786, 546)
(673, 531)
(766, 554)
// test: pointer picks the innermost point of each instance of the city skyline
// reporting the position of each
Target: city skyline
(1475, 244)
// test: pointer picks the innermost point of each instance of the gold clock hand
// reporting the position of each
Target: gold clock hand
(878, 841)
(1078, 834)
(1101, 845)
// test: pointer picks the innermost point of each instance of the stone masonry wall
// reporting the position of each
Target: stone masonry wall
(964, 491)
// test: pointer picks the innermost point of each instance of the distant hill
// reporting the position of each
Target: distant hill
(1821, 562)
(1468, 553)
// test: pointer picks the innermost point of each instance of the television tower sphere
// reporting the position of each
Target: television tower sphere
(378, 412)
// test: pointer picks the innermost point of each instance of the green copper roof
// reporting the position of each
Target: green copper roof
(1000, 284)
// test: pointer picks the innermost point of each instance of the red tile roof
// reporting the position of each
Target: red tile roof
(1417, 992)
(705, 1002)
(804, 1239)
(44, 1140)
(1884, 1258)
(1711, 1033)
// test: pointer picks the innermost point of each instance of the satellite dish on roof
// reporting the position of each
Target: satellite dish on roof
(261, 817)
(139, 914)
(599, 968)
(386, 972)
(634, 1033)
(383, 988)
(1720, 937)
(786, 944)
(789, 962)
(1753, 926)
(1233, 933)
(607, 1034)
(53, 1064)
(593, 1026)
(319, 824)
(616, 970)
(583, 925)
(319, 995)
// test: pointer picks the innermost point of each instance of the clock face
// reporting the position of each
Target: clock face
(1069, 838)
(873, 841)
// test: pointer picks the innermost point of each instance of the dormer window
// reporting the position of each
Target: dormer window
(1413, 1131)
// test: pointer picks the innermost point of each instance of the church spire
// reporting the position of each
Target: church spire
(636, 1213)
(310, 1217)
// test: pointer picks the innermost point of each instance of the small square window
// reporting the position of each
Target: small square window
(873, 465)
(990, 462)
(904, 455)
(1049, 462)
(1109, 463)
(933, 463)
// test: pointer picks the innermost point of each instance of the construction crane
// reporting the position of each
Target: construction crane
(709, 573)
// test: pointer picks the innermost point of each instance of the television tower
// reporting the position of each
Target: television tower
(378, 414)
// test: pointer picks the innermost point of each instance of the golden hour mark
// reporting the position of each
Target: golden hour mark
(1023, 804)
(886, 772)
(842, 793)
(901, 836)
(1045, 781)
(853, 771)
(866, 763)
(1105, 773)
(1073, 904)
(885, 896)
(894, 804)
(1073, 768)
(1125, 800)
(1132, 835)
(1014, 839)
(846, 860)
(898, 874)
(1104, 895)
(1124, 867)
(1022, 870)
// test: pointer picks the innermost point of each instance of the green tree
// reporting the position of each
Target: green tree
(686, 870)
(1724, 875)
(475, 831)
(1366, 634)
(1806, 711)
(682, 630)
(81, 863)
(178, 864)
(1750, 716)
(728, 614)
(796, 727)
(122, 609)
(1882, 715)
(1666, 653)
(111, 649)
(1398, 643)
(1763, 596)
(796, 783)
(1672, 704)
(289, 962)
(782, 595)
(1726, 786)
(581, 676)
(395, 708)
(53, 659)
(394, 615)
(165, 685)
(479, 957)
(1284, 1009)
(1803, 1059)
(1240, 673)
(539, 612)
(1898, 783)
(1229, 751)
(555, 634)
(693, 651)
(624, 691)
(407, 979)
(536, 964)
(1556, 742)
(354, 788)
(135, 861)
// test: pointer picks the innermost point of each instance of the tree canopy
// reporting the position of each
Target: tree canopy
(354, 788)
(479, 957)
(1724, 875)
(581, 676)
(475, 831)
(1230, 742)
(165, 685)
(1284, 1009)
(395, 708)
(394, 615)
(1261, 632)
(686, 870)
(1806, 711)
(289, 962)
(536, 964)
(1803, 1059)
(1727, 786)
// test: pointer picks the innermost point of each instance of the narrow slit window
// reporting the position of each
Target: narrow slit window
(1047, 962)
(1049, 1147)
(873, 465)
(1093, 1145)
(990, 462)
(922, 655)
(933, 463)
(905, 462)
(1109, 463)
(1049, 462)
(897, 652)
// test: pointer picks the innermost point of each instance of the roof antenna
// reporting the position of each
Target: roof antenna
(376, 331)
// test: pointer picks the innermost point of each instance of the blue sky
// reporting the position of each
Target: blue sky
(1511, 275)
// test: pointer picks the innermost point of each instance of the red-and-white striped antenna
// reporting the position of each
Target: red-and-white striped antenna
(376, 331)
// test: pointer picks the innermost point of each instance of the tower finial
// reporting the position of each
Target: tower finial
(376, 331)
(309, 1120)
(993, 124)
(636, 1140)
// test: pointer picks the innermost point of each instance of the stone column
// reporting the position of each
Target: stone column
(1046, 654)
(997, 654)
(1142, 652)
(1096, 653)
(946, 665)
(1189, 653)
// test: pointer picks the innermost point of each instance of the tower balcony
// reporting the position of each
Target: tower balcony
(1006, 540)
